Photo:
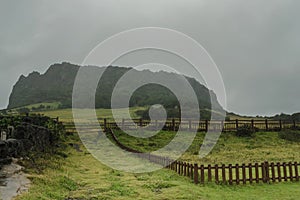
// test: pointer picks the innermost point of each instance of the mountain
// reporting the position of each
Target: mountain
(56, 85)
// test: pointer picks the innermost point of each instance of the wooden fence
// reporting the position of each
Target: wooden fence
(264, 172)
(235, 174)
(193, 125)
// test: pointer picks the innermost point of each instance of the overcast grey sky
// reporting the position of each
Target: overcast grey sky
(255, 44)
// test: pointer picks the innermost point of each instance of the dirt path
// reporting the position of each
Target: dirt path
(12, 181)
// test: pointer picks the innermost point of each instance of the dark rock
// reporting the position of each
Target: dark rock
(27, 137)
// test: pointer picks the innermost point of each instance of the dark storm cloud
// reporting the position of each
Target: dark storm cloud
(255, 43)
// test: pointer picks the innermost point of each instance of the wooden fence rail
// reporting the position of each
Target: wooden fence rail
(239, 174)
(264, 172)
(194, 125)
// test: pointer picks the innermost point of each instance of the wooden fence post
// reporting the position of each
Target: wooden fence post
(256, 173)
(244, 173)
(284, 171)
(222, 126)
(190, 125)
(216, 174)
(296, 171)
(291, 170)
(206, 125)
(141, 122)
(196, 174)
(250, 173)
(192, 171)
(273, 172)
(105, 124)
(230, 174)
(223, 174)
(263, 172)
(173, 124)
(294, 123)
(209, 173)
(279, 172)
(236, 124)
(267, 172)
(181, 168)
(252, 123)
(280, 125)
(266, 122)
(202, 174)
(237, 174)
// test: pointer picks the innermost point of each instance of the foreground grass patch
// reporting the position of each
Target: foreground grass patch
(73, 174)
(228, 150)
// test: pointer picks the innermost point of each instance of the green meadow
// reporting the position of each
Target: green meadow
(66, 115)
(72, 173)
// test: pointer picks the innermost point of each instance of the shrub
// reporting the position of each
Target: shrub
(245, 131)
(290, 135)
(23, 110)
(297, 128)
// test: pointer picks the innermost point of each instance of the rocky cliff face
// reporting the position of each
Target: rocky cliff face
(56, 85)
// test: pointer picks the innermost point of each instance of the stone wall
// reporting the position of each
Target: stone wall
(40, 138)
(26, 137)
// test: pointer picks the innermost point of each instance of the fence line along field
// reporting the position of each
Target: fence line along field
(192, 125)
(264, 172)
(219, 173)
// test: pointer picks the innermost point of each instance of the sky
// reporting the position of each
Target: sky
(255, 44)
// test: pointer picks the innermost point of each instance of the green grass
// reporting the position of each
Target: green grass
(66, 115)
(47, 106)
(52, 105)
(80, 176)
(228, 150)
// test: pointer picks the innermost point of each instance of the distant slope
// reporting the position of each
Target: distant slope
(57, 83)
(282, 116)
(287, 117)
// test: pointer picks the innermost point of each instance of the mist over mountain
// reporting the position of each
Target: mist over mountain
(56, 85)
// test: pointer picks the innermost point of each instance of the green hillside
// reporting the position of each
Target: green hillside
(56, 85)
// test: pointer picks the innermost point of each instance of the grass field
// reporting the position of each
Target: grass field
(51, 106)
(228, 150)
(66, 115)
(72, 174)
(46, 106)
